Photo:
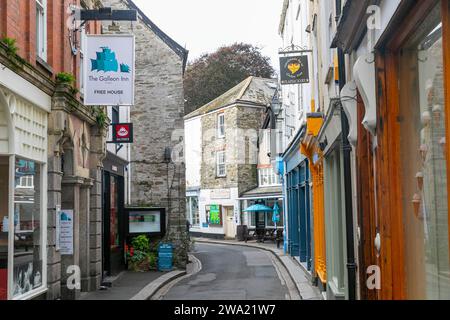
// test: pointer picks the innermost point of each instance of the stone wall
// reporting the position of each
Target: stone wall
(240, 143)
(158, 124)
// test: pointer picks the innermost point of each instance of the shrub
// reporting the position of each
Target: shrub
(10, 44)
(64, 77)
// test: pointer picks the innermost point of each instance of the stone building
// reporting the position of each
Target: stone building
(157, 169)
(51, 151)
(229, 131)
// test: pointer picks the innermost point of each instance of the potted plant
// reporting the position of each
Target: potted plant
(140, 257)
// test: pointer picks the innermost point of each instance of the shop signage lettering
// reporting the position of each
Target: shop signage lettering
(109, 70)
(294, 70)
(122, 133)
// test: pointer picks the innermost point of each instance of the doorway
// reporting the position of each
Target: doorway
(230, 226)
(113, 227)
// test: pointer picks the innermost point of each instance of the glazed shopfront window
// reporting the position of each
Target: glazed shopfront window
(28, 255)
(423, 167)
(4, 226)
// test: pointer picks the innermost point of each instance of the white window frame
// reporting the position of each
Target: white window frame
(192, 213)
(41, 29)
(272, 178)
(221, 169)
(43, 222)
(221, 125)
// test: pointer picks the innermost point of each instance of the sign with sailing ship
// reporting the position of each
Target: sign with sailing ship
(109, 74)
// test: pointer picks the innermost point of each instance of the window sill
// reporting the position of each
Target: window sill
(42, 63)
(32, 294)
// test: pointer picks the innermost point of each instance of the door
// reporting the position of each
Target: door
(113, 233)
(230, 225)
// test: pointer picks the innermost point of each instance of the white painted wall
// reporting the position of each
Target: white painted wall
(205, 200)
(193, 138)
(296, 98)
(125, 152)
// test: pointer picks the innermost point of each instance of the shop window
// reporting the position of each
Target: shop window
(214, 215)
(41, 29)
(423, 169)
(4, 226)
(192, 211)
(28, 250)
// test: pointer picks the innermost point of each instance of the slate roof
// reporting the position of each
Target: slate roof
(178, 49)
(253, 90)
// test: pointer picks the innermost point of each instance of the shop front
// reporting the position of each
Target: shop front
(298, 204)
(310, 148)
(23, 190)
(413, 154)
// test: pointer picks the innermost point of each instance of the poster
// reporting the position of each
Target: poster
(214, 215)
(294, 70)
(66, 232)
(27, 276)
(109, 70)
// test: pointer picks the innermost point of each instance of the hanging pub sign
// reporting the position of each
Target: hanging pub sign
(122, 133)
(294, 70)
(109, 70)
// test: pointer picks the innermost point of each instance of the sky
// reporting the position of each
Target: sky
(202, 26)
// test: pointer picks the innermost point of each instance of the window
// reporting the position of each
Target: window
(41, 29)
(221, 125)
(424, 167)
(28, 272)
(267, 177)
(214, 215)
(221, 165)
(192, 211)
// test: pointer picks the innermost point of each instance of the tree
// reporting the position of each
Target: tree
(213, 74)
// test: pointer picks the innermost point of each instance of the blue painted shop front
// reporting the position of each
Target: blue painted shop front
(297, 193)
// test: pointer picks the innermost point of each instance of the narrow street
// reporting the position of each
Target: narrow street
(233, 273)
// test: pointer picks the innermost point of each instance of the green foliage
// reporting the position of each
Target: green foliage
(10, 44)
(141, 243)
(101, 117)
(211, 75)
(64, 77)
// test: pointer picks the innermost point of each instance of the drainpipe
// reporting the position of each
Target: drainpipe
(347, 149)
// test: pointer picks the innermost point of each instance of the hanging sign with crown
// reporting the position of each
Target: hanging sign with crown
(294, 70)
(109, 63)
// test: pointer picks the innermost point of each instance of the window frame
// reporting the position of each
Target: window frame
(221, 155)
(43, 230)
(221, 126)
(41, 29)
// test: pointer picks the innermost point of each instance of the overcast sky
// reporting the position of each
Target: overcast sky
(202, 26)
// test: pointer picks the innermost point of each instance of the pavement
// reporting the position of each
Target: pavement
(134, 286)
(296, 272)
